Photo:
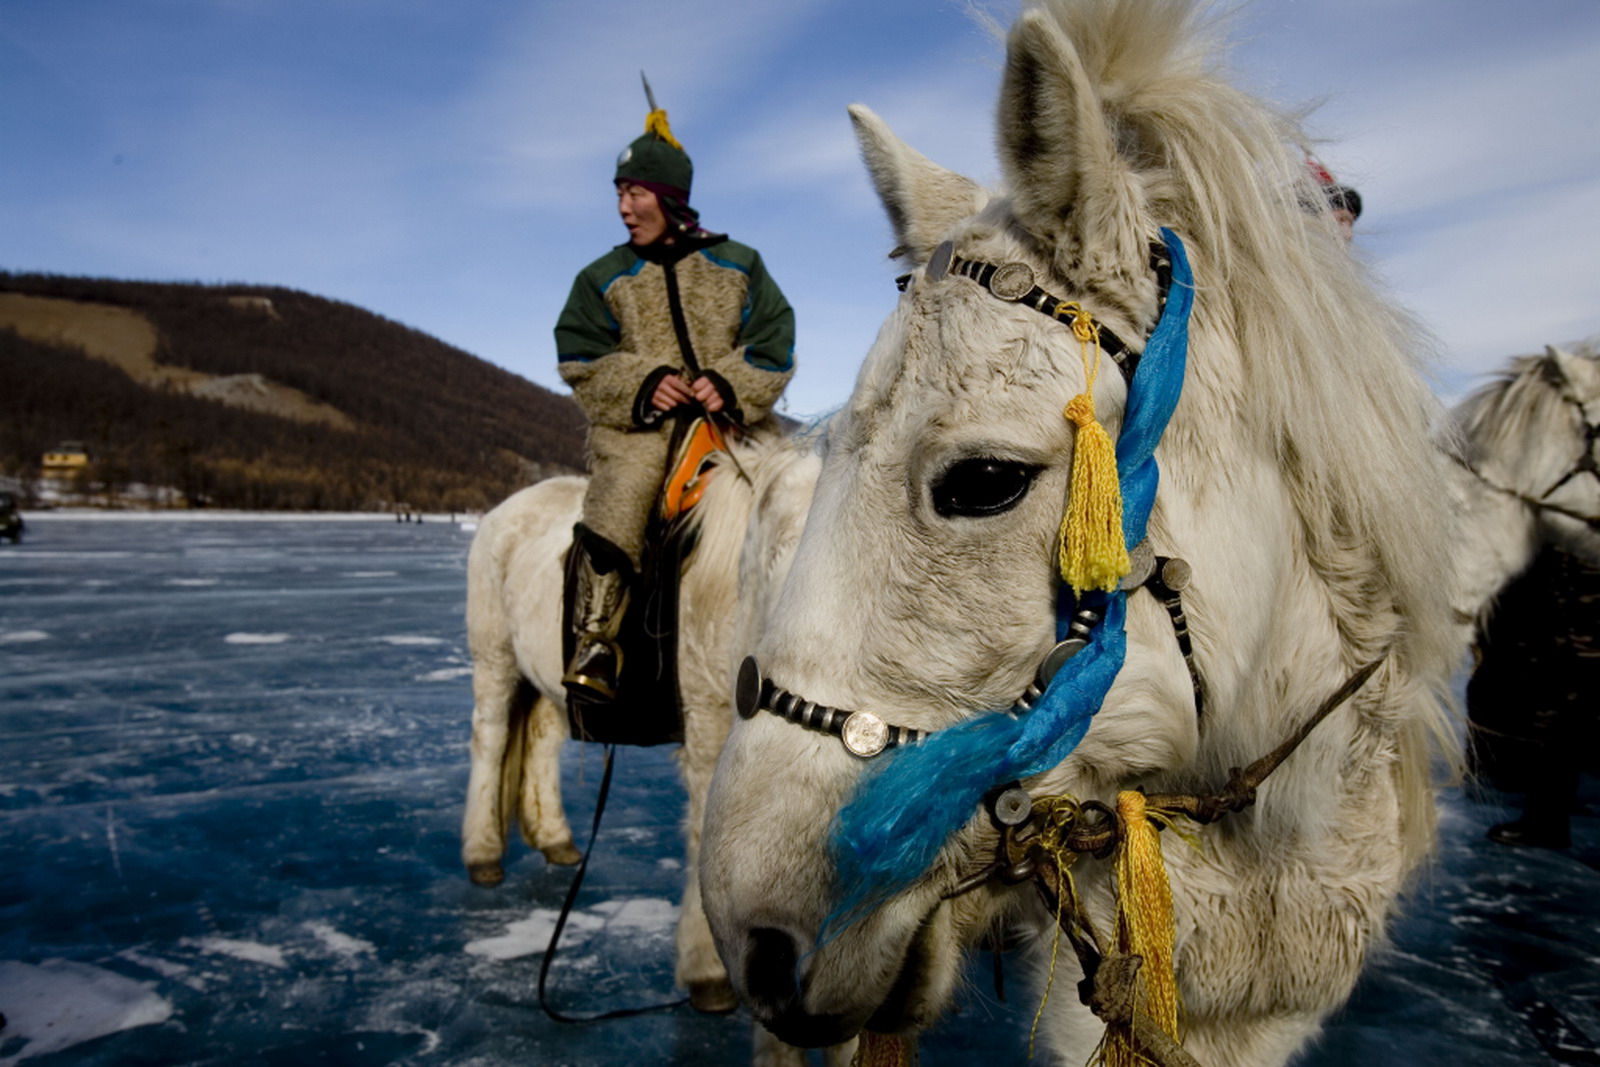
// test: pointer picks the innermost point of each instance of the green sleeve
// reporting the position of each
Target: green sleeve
(585, 330)
(768, 331)
(759, 368)
(605, 380)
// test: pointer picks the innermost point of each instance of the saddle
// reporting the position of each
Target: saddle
(648, 708)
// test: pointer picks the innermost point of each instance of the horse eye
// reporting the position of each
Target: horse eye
(982, 486)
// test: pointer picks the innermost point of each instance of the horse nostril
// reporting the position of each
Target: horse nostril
(769, 971)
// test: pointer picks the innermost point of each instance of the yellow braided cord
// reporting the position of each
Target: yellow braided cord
(1090, 550)
(884, 1050)
(1060, 814)
(1144, 927)
(656, 123)
(1055, 947)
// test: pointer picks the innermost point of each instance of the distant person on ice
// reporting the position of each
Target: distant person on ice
(677, 322)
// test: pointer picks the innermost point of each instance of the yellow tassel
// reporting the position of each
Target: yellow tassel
(656, 123)
(884, 1050)
(1090, 549)
(1144, 927)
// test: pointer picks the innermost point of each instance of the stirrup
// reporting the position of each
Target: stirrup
(583, 685)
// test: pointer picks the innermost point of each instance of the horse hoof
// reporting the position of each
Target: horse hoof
(714, 997)
(565, 854)
(490, 873)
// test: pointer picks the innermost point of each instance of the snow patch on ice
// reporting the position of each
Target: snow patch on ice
(411, 639)
(339, 943)
(667, 863)
(249, 951)
(256, 639)
(57, 1004)
(372, 574)
(633, 835)
(445, 674)
(192, 582)
(531, 936)
(20, 637)
(646, 914)
(176, 972)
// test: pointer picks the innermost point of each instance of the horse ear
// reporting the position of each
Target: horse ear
(1069, 185)
(1576, 375)
(922, 198)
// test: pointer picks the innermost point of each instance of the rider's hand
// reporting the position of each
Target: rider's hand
(706, 393)
(671, 392)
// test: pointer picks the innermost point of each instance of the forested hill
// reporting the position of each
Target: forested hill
(257, 397)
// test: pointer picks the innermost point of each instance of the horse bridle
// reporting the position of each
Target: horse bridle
(865, 734)
(1038, 837)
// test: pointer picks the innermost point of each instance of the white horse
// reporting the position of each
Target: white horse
(1527, 446)
(514, 593)
(1297, 478)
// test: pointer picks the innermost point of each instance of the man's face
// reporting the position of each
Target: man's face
(641, 213)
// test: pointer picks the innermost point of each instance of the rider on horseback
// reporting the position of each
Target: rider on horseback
(676, 323)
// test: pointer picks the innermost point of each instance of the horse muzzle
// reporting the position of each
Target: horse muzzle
(833, 993)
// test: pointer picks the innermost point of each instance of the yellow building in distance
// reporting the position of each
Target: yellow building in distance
(69, 460)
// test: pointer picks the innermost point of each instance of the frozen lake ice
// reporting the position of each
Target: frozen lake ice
(232, 763)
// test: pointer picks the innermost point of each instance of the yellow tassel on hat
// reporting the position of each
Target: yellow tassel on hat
(1090, 550)
(1144, 928)
(656, 123)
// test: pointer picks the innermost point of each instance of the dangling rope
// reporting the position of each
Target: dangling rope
(1090, 549)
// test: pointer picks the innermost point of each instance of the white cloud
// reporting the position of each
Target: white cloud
(1508, 280)
(554, 102)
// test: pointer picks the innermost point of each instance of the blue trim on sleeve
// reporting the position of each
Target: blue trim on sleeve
(761, 361)
(638, 265)
(611, 320)
(730, 264)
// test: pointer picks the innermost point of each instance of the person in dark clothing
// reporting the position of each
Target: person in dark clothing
(677, 321)
(1534, 700)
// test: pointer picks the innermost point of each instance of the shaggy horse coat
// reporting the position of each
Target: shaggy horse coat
(514, 588)
(1525, 475)
(1297, 478)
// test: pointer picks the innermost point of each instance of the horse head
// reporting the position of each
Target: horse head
(911, 665)
(1528, 448)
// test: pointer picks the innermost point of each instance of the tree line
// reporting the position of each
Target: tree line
(436, 428)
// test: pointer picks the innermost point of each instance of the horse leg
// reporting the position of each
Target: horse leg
(699, 968)
(544, 820)
(495, 686)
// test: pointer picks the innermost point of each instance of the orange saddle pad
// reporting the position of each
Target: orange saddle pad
(691, 467)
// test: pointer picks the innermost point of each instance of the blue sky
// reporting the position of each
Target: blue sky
(447, 163)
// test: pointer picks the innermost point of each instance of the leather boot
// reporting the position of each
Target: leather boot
(601, 600)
